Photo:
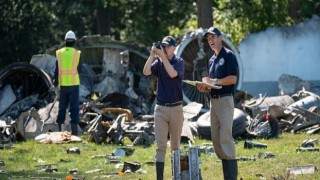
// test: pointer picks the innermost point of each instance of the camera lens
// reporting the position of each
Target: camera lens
(158, 45)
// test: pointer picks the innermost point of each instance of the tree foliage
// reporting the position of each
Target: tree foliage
(240, 18)
(31, 27)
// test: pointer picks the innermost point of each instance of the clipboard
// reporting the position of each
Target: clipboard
(199, 82)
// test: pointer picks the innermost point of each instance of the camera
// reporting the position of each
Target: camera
(158, 45)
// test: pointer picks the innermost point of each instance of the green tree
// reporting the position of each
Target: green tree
(31, 27)
(241, 18)
(147, 21)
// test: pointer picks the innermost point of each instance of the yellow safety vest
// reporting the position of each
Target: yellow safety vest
(68, 61)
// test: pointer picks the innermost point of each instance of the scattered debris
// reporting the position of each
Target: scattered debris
(57, 137)
(50, 168)
(304, 149)
(309, 143)
(73, 150)
(117, 103)
(252, 144)
(93, 171)
(245, 158)
(266, 155)
(73, 171)
(6, 135)
(129, 167)
(308, 169)
(206, 149)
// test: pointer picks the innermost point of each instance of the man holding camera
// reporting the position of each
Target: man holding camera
(168, 112)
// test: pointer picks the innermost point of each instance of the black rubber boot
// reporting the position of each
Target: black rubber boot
(74, 129)
(159, 170)
(230, 169)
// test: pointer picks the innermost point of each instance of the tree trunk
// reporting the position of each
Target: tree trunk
(205, 19)
(103, 25)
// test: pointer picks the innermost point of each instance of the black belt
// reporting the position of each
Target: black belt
(169, 104)
(220, 96)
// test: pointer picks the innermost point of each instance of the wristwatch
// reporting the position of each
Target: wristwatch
(215, 81)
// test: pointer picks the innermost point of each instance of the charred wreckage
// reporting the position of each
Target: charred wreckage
(117, 100)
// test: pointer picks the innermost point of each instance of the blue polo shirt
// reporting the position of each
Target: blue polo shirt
(169, 90)
(223, 65)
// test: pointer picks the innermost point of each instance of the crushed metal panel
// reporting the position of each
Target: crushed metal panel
(289, 84)
(27, 80)
(125, 60)
(111, 62)
(304, 103)
(191, 110)
(23, 105)
(176, 168)
(186, 131)
(50, 120)
(309, 169)
(46, 62)
(107, 86)
(7, 97)
(29, 124)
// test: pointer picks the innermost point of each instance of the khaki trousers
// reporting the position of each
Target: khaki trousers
(222, 110)
(167, 120)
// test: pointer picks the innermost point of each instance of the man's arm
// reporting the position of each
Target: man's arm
(147, 66)
(55, 77)
(169, 68)
(226, 81)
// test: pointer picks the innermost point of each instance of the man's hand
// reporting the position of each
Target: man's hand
(159, 52)
(203, 88)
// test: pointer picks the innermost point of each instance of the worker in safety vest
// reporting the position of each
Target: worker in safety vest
(67, 81)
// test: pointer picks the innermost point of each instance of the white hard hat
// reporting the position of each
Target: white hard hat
(70, 35)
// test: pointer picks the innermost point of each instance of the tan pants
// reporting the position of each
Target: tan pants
(167, 120)
(222, 110)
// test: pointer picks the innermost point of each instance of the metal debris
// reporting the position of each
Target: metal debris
(73, 150)
(307, 149)
(266, 155)
(245, 158)
(129, 167)
(252, 144)
(309, 143)
(50, 168)
(308, 169)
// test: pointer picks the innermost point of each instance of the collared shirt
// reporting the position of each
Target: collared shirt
(221, 66)
(169, 90)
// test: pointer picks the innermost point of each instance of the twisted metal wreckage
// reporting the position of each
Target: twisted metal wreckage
(117, 100)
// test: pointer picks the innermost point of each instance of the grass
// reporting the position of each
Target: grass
(22, 159)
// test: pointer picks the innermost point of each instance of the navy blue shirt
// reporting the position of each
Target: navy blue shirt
(223, 65)
(169, 90)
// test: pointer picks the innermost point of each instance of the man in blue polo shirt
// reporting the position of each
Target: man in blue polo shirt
(168, 112)
(223, 71)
